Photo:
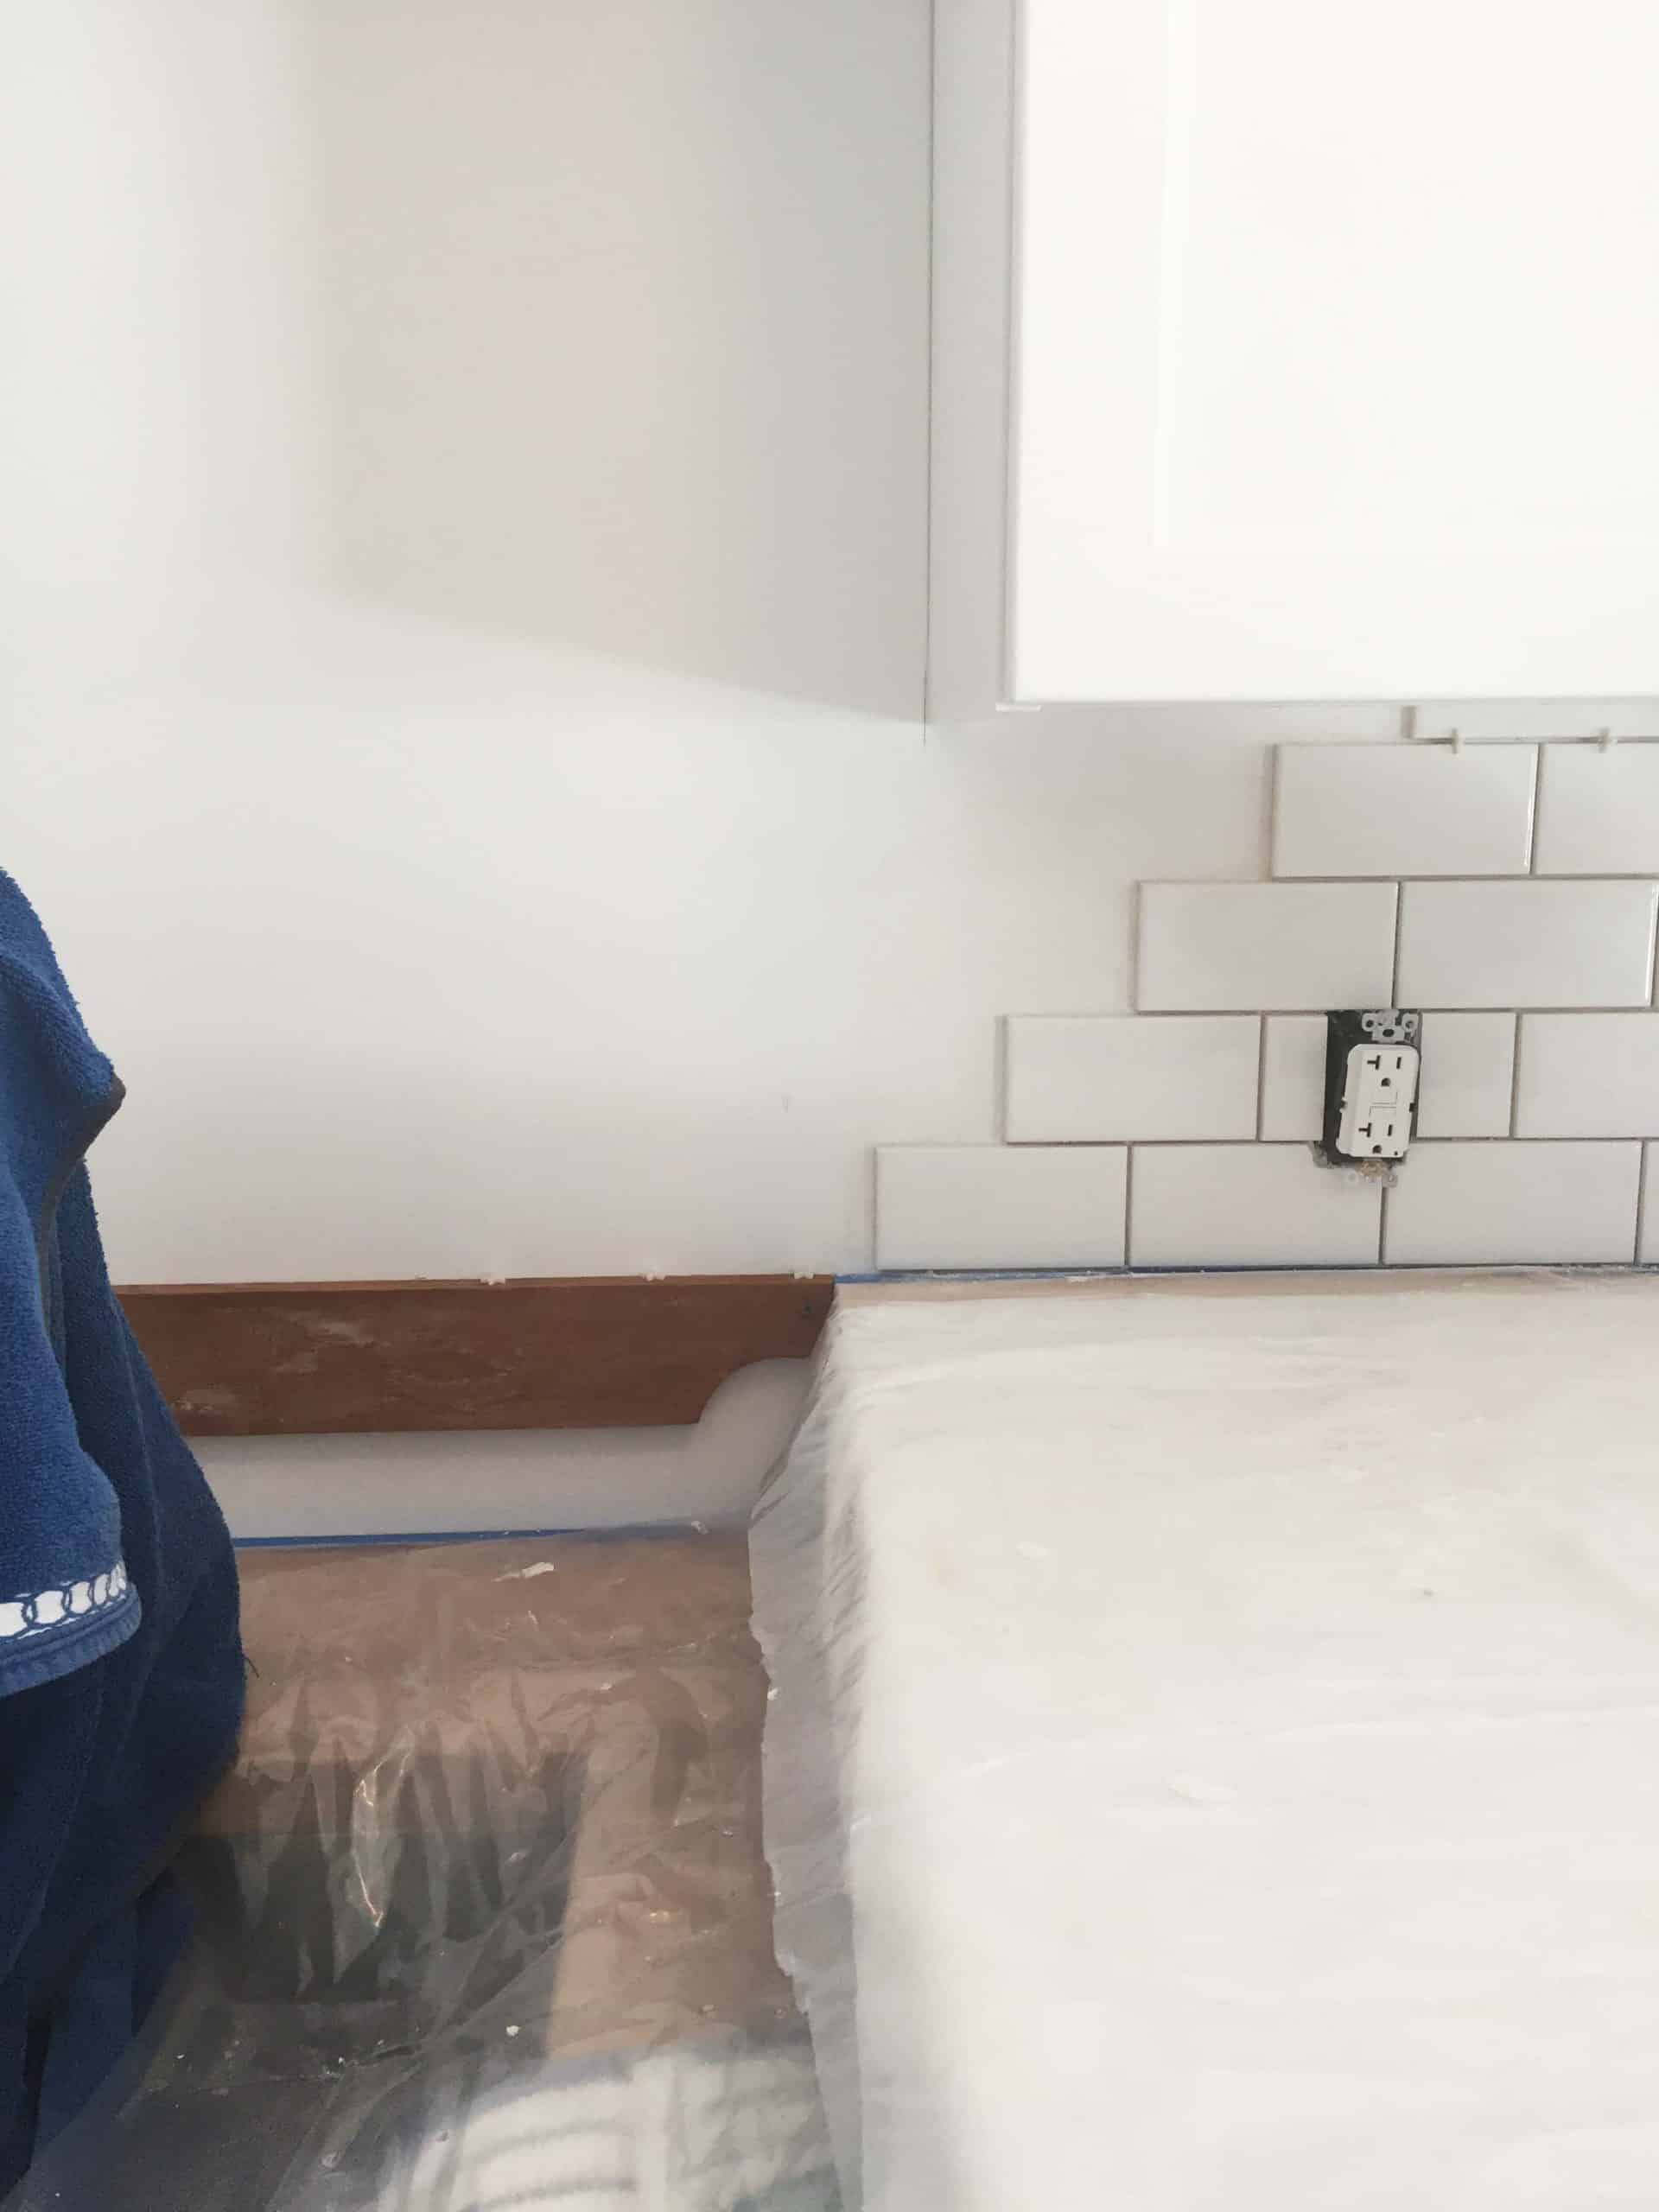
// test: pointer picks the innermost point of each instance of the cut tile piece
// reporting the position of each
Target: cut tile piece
(1293, 1078)
(1588, 1075)
(999, 1207)
(1468, 1070)
(1468, 1078)
(1087, 1079)
(1403, 810)
(1524, 944)
(1248, 1205)
(1240, 947)
(1510, 1203)
(1598, 811)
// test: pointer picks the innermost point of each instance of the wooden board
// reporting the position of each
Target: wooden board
(269, 1359)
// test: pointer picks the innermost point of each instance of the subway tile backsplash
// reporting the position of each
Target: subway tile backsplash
(1588, 1075)
(1467, 1084)
(1248, 1205)
(1527, 944)
(1403, 810)
(1507, 889)
(988, 1206)
(1077, 1079)
(1515, 1203)
(1598, 810)
(1293, 1078)
(1468, 1081)
(1233, 947)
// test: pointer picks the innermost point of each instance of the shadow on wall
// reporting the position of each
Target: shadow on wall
(620, 330)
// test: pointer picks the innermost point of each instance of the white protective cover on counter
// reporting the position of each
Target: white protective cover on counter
(1213, 1763)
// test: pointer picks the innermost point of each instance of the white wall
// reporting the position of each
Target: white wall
(464, 539)
(463, 509)
(462, 550)
(463, 523)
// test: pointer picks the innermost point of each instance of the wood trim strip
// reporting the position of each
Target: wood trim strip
(285, 1359)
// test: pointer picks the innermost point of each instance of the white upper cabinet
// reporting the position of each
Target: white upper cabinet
(1333, 336)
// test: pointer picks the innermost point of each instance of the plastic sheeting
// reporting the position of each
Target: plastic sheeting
(1214, 1754)
(482, 1914)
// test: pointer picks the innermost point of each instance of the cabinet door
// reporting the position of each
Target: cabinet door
(1337, 350)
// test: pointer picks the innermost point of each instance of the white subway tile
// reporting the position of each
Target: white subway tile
(1238, 947)
(1513, 1204)
(1527, 944)
(1092, 1078)
(1598, 811)
(1248, 1205)
(1403, 810)
(1468, 1075)
(1649, 1252)
(1545, 718)
(1293, 1078)
(977, 1206)
(1588, 1075)
(1468, 1068)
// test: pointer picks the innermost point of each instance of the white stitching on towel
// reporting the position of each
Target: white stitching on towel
(70, 1601)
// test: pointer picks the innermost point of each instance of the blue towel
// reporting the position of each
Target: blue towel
(121, 1673)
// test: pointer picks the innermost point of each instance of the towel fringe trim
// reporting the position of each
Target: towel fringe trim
(41, 1610)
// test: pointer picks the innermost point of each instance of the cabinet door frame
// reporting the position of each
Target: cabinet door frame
(1112, 591)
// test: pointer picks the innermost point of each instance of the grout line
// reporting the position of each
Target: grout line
(1194, 1013)
(1000, 1083)
(1233, 1144)
(1260, 1077)
(1537, 802)
(1559, 737)
(1122, 1144)
(1511, 876)
(1275, 753)
(1649, 1155)
(1382, 1227)
(1158, 1271)
(1294, 1144)
(1129, 1199)
(1239, 1012)
(1515, 1081)
(1399, 931)
(1137, 931)
(1641, 1205)
(1411, 733)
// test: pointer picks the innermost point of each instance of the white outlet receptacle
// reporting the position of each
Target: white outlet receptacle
(1379, 1090)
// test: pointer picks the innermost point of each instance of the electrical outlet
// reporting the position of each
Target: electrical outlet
(1372, 1069)
(1376, 1101)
